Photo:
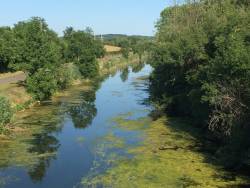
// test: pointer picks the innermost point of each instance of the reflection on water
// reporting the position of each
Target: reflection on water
(101, 134)
(59, 140)
(50, 119)
(41, 144)
(124, 75)
(83, 113)
(137, 67)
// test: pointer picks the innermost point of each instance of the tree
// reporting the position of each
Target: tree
(6, 48)
(42, 84)
(36, 46)
(82, 49)
(202, 68)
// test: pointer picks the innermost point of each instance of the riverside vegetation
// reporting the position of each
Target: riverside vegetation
(51, 63)
(195, 135)
(201, 66)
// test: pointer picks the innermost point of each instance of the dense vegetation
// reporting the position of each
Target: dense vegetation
(202, 71)
(50, 62)
(5, 112)
(135, 44)
(32, 47)
(82, 49)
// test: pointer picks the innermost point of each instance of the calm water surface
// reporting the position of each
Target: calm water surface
(69, 132)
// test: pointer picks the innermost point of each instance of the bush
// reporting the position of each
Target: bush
(88, 66)
(43, 84)
(66, 74)
(5, 112)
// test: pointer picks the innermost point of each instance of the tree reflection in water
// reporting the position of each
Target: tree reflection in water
(137, 67)
(124, 74)
(46, 143)
(83, 113)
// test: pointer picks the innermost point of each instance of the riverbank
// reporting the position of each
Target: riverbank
(21, 100)
(103, 134)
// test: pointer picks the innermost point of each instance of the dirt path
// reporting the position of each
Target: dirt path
(12, 78)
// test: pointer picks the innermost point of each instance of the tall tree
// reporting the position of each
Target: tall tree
(202, 68)
(82, 49)
(6, 48)
(36, 46)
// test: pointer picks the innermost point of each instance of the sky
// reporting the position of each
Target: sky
(131, 17)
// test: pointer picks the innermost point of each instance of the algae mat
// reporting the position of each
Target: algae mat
(167, 156)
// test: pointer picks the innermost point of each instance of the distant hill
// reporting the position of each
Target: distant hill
(121, 40)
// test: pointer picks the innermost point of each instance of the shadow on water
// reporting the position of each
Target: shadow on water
(204, 145)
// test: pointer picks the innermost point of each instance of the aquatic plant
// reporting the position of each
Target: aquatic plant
(168, 156)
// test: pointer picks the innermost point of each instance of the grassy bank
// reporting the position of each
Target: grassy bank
(15, 93)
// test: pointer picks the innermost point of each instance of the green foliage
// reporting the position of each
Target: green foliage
(202, 65)
(118, 40)
(66, 74)
(42, 84)
(20, 107)
(5, 112)
(89, 68)
(36, 46)
(136, 44)
(125, 52)
(46, 81)
(83, 49)
(99, 49)
(6, 50)
(32, 47)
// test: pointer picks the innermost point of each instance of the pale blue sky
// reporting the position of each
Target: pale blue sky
(103, 16)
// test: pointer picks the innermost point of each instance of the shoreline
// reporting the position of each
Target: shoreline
(109, 65)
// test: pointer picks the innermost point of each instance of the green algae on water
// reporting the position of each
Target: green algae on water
(125, 122)
(103, 158)
(167, 158)
(80, 139)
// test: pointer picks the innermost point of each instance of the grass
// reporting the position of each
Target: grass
(111, 49)
(15, 93)
(10, 74)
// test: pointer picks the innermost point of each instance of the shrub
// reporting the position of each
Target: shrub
(5, 112)
(66, 74)
(88, 66)
(43, 84)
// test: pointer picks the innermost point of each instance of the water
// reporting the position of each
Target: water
(65, 135)
(102, 136)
